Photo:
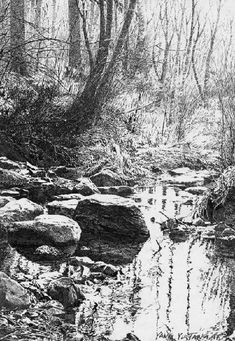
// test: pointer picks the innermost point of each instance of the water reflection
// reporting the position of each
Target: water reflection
(181, 290)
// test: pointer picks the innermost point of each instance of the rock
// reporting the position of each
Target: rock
(208, 232)
(18, 210)
(117, 190)
(86, 187)
(227, 232)
(179, 171)
(63, 207)
(111, 217)
(5, 163)
(106, 269)
(45, 278)
(38, 173)
(42, 191)
(198, 190)
(56, 231)
(47, 253)
(112, 228)
(5, 200)
(11, 193)
(71, 196)
(71, 173)
(78, 261)
(12, 294)
(198, 222)
(131, 337)
(66, 292)
(9, 178)
(107, 178)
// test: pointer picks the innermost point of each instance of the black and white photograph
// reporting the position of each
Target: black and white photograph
(117, 170)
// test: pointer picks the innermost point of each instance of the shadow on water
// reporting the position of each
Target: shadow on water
(182, 292)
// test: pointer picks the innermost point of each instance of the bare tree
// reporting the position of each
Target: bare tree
(87, 106)
(214, 30)
(74, 34)
(17, 37)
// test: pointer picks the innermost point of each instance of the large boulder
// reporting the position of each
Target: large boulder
(18, 210)
(66, 292)
(12, 294)
(10, 178)
(60, 233)
(107, 178)
(112, 228)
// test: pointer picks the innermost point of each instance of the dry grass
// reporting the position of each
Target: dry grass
(216, 196)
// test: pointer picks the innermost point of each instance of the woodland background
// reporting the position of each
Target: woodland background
(80, 79)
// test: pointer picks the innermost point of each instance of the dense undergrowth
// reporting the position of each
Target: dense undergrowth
(34, 127)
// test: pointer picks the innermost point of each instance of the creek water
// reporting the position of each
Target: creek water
(182, 291)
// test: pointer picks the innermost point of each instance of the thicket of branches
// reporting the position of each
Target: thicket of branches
(143, 67)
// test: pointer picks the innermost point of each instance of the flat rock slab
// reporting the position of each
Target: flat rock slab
(111, 217)
(117, 190)
(63, 207)
(71, 196)
(42, 191)
(198, 190)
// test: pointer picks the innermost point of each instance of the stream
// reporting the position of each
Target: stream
(182, 291)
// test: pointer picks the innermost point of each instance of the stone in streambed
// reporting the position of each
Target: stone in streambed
(198, 190)
(113, 228)
(72, 196)
(5, 200)
(42, 191)
(18, 210)
(117, 190)
(107, 178)
(63, 207)
(56, 231)
(12, 294)
(66, 292)
(10, 178)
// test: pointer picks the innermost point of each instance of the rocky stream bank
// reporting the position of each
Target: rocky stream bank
(66, 241)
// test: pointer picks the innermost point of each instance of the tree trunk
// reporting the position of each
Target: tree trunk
(74, 34)
(17, 37)
(87, 107)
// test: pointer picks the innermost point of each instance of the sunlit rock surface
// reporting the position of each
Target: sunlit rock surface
(12, 294)
(63, 207)
(18, 210)
(56, 231)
